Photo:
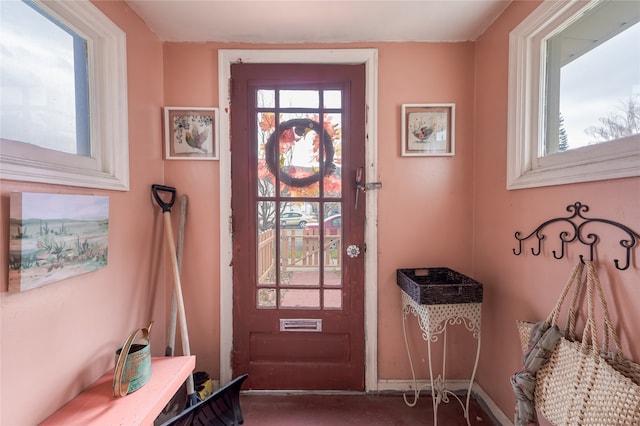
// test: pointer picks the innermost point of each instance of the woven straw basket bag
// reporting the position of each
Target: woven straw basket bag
(583, 383)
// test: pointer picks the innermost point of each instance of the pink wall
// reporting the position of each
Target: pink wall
(425, 206)
(191, 79)
(58, 339)
(424, 200)
(434, 211)
(526, 287)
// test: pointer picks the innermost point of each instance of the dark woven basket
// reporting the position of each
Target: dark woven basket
(439, 286)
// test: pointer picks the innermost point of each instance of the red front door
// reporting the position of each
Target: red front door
(298, 136)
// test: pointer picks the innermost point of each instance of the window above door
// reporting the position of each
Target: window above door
(574, 94)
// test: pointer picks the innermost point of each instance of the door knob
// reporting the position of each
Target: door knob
(353, 251)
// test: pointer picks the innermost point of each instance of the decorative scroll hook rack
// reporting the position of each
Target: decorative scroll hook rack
(577, 223)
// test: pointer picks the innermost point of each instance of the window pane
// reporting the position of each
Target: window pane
(332, 299)
(332, 246)
(43, 71)
(299, 155)
(292, 298)
(333, 179)
(299, 99)
(593, 66)
(266, 298)
(295, 214)
(297, 255)
(266, 180)
(332, 98)
(266, 98)
(535, 115)
(299, 245)
(266, 255)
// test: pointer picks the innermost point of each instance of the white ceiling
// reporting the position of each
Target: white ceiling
(313, 21)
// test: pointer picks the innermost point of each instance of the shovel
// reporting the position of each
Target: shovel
(171, 329)
(192, 397)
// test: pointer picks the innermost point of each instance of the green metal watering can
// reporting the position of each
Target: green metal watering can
(133, 363)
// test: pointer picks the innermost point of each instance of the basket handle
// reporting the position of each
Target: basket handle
(590, 334)
(552, 319)
(120, 387)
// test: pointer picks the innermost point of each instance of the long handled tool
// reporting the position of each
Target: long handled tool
(182, 319)
(171, 329)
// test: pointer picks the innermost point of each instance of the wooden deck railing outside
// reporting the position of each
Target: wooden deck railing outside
(297, 249)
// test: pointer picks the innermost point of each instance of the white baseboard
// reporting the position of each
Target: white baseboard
(495, 411)
(481, 396)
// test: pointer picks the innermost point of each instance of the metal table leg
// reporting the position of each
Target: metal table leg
(433, 321)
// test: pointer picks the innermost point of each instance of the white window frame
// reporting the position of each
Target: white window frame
(108, 166)
(609, 160)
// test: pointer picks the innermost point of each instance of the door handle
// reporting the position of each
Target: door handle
(359, 186)
(353, 251)
(363, 187)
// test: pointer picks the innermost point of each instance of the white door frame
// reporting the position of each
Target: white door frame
(368, 57)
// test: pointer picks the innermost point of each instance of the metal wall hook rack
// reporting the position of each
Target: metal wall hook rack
(577, 223)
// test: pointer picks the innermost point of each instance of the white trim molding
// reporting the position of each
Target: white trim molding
(527, 64)
(108, 165)
(368, 57)
(456, 386)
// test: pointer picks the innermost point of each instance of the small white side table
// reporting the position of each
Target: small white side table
(433, 320)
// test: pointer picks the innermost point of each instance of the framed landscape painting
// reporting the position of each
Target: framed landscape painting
(55, 236)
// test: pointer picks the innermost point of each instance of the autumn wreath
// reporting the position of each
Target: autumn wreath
(299, 126)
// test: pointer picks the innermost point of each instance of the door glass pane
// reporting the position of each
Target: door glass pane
(266, 239)
(295, 298)
(332, 299)
(266, 298)
(299, 154)
(299, 99)
(333, 180)
(266, 98)
(299, 240)
(332, 246)
(332, 99)
(297, 214)
(299, 251)
(266, 180)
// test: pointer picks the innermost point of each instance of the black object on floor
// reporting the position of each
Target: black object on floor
(222, 408)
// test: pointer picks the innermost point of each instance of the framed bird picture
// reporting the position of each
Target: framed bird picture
(191, 133)
(428, 130)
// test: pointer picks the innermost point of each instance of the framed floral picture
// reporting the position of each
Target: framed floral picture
(428, 130)
(191, 133)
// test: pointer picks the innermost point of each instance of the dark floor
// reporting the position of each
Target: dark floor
(385, 409)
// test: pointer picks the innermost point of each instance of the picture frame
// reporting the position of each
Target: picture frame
(191, 133)
(428, 130)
